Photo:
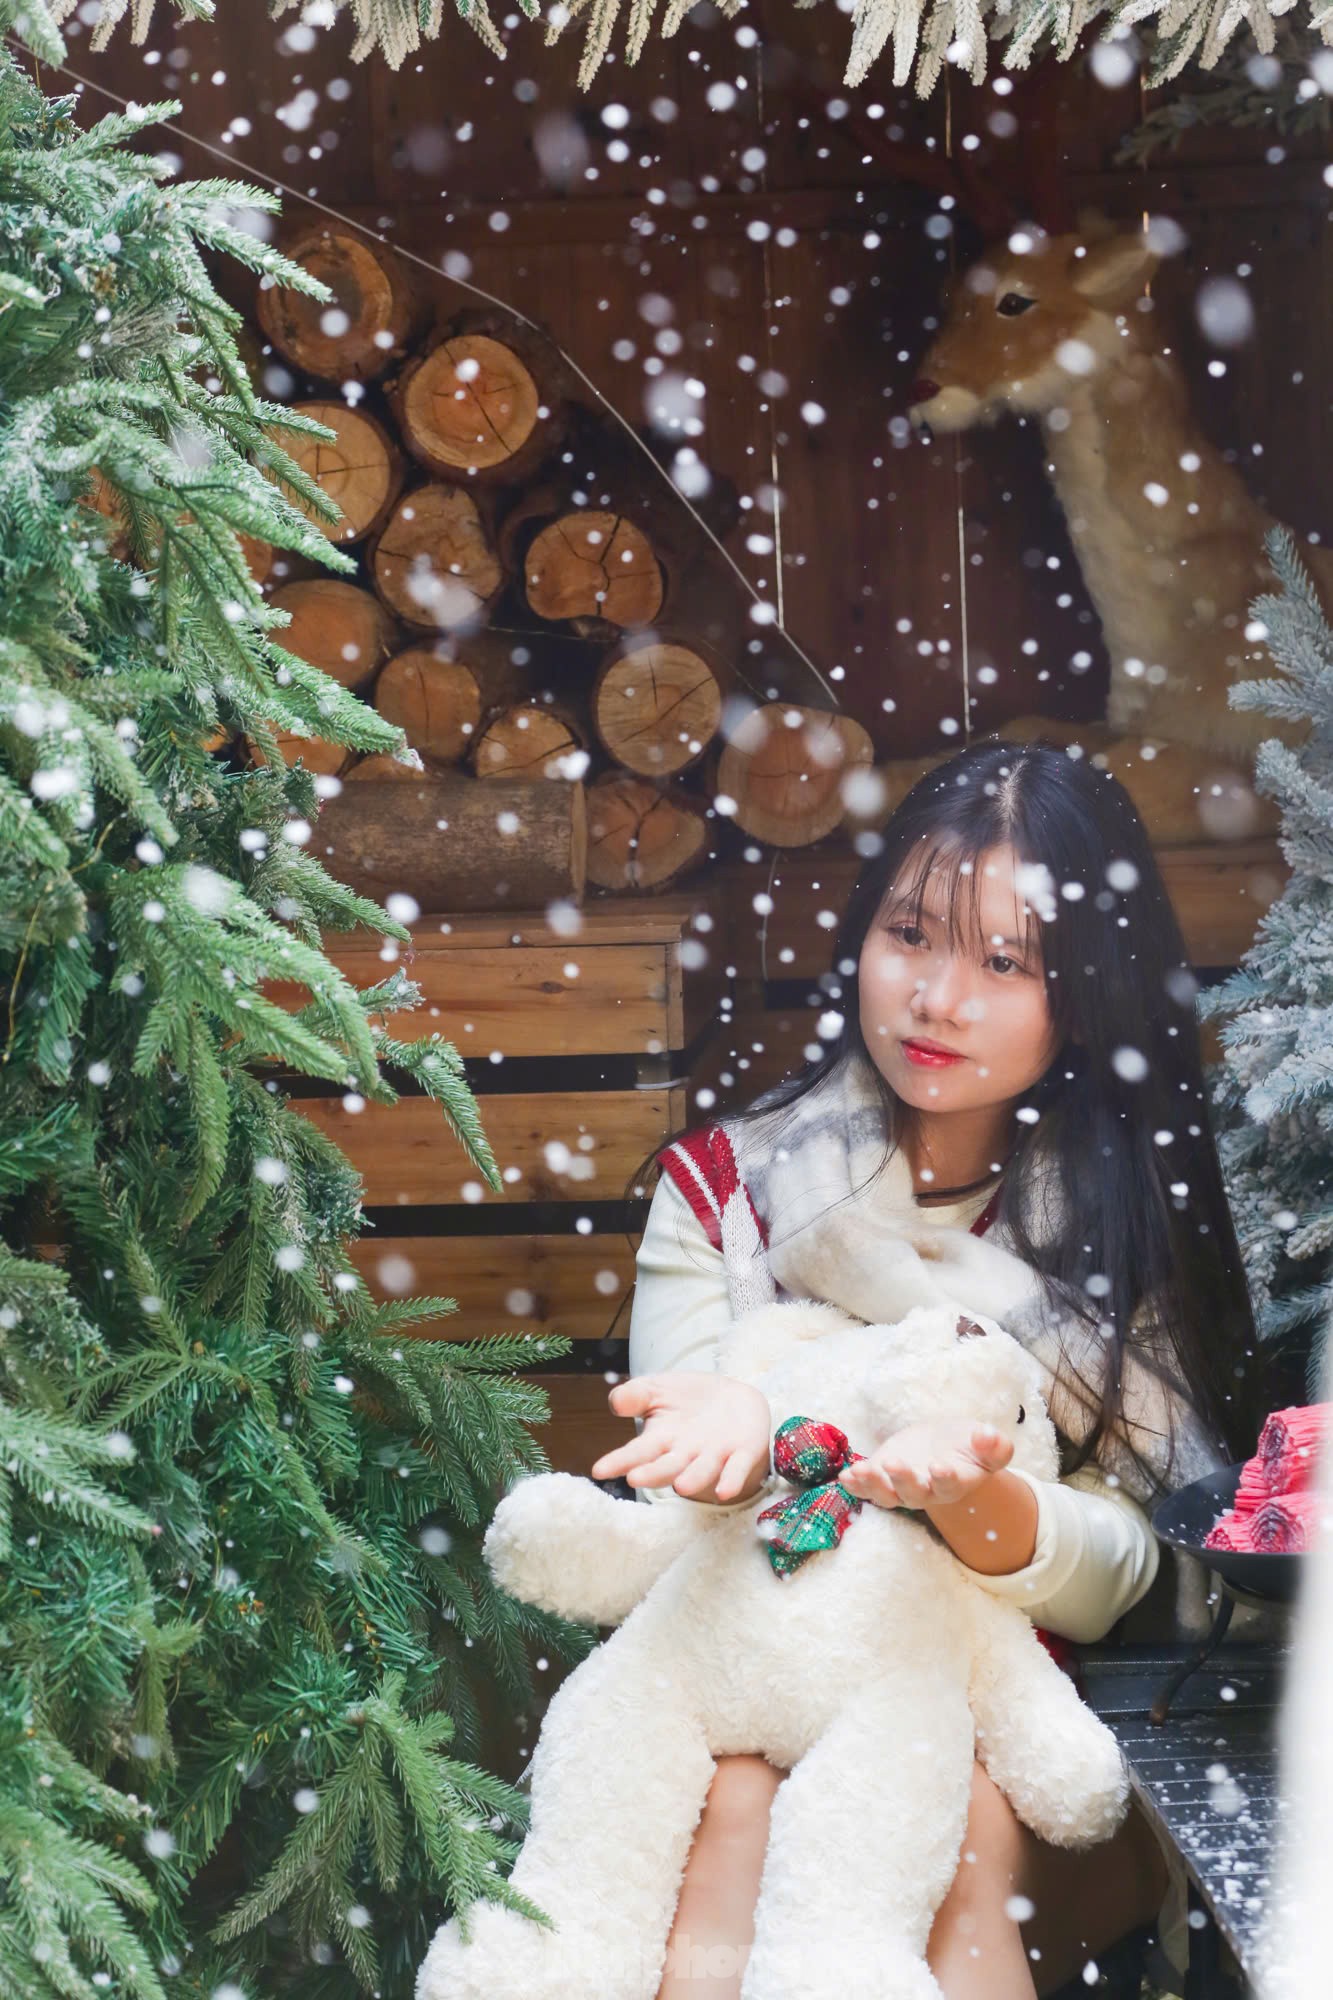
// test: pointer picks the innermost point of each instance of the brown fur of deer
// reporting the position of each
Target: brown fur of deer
(1169, 539)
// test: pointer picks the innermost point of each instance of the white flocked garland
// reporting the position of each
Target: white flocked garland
(924, 34)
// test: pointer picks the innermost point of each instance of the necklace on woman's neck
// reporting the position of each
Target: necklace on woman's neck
(955, 1193)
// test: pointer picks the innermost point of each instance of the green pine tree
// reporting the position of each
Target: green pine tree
(243, 1612)
(1274, 1086)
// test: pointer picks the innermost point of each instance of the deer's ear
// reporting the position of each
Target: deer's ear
(1114, 268)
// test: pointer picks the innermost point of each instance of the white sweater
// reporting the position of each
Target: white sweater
(1095, 1555)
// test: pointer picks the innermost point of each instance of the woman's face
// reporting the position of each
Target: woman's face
(958, 1026)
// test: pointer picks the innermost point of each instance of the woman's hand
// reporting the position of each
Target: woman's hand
(705, 1435)
(930, 1464)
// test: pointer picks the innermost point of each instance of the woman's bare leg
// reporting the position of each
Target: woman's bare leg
(1082, 1902)
(1077, 1903)
(714, 1925)
(975, 1948)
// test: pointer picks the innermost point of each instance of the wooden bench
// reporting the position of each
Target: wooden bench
(1207, 1777)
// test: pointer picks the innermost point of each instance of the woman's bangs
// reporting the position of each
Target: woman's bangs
(948, 872)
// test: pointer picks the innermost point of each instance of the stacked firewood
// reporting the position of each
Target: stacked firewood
(536, 608)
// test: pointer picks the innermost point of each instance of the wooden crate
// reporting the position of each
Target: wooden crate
(597, 1033)
(507, 982)
(557, 1145)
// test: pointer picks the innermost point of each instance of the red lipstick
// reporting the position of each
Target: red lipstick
(931, 1055)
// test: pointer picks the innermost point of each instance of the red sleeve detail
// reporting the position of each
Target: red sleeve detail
(704, 1169)
(1064, 1653)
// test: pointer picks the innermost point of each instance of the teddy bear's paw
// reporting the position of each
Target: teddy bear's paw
(844, 1963)
(509, 1957)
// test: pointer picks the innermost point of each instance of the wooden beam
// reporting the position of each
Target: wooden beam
(572, 1286)
(430, 227)
(549, 1145)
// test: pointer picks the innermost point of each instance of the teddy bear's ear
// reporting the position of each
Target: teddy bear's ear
(969, 1329)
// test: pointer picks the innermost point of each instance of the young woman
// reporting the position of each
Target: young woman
(1018, 1050)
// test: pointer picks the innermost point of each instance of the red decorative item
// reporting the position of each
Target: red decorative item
(1276, 1511)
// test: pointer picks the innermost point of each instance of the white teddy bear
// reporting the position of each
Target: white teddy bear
(873, 1672)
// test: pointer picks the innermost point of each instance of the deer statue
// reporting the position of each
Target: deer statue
(1169, 539)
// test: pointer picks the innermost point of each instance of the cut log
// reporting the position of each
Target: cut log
(315, 752)
(434, 563)
(361, 469)
(433, 700)
(455, 844)
(438, 694)
(643, 837)
(379, 765)
(532, 740)
(104, 499)
(595, 568)
(558, 537)
(484, 403)
(336, 626)
(657, 702)
(258, 557)
(784, 768)
(371, 321)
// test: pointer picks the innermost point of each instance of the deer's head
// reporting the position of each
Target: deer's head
(1032, 318)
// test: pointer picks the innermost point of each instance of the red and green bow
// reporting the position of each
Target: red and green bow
(810, 1455)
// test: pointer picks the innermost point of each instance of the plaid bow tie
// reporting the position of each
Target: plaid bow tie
(810, 1455)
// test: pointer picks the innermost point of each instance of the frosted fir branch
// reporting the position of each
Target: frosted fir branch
(1274, 1090)
(435, 1064)
(924, 34)
(1286, 101)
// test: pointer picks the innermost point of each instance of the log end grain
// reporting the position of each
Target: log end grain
(656, 705)
(434, 563)
(468, 407)
(368, 325)
(337, 626)
(785, 768)
(315, 752)
(593, 565)
(643, 837)
(360, 469)
(529, 740)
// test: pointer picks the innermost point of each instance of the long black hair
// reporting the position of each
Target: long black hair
(1121, 1112)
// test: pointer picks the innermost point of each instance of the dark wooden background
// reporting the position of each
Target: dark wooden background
(499, 173)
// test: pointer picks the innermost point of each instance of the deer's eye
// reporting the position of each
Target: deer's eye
(1014, 303)
(1021, 1413)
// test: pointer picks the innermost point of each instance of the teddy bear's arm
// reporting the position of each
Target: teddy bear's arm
(1056, 1762)
(560, 1542)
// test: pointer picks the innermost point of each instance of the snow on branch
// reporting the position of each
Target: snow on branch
(924, 34)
